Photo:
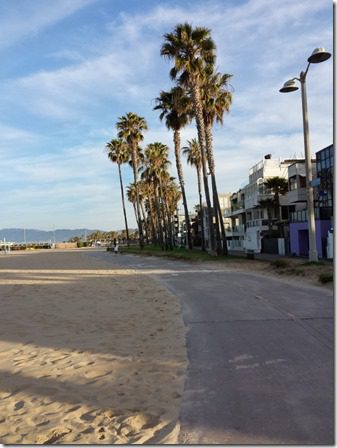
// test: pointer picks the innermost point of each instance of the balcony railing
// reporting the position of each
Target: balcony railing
(257, 223)
(238, 205)
(320, 213)
(236, 229)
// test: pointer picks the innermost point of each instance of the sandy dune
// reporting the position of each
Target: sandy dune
(88, 354)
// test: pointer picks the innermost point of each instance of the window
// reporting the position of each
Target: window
(292, 183)
(302, 181)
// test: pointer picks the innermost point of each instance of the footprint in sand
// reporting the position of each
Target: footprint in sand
(45, 422)
(53, 436)
(139, 422)
(88, 417)
(88, 430)
(73, 409)
(19, 405)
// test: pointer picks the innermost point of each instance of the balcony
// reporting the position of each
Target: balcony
(257, 223)
(297, 195)
(324, 213)
(253, 200)
(236, 209)
(236, 230)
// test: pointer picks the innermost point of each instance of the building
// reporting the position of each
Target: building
(252, 218)
(180, 231)
(255, 226)
(225, 202)
(236, 215)
(322, 182)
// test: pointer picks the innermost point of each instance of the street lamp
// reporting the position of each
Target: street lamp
(317, 56)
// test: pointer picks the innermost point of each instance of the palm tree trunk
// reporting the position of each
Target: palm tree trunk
(165, 214)
(123, 202)
(135, 175)
(168, 219)
(135, 211)
(201, 137)
(216, 202)
(144, 221)
(160, 227)
(176, 138)
(201, 210)
(154, 235)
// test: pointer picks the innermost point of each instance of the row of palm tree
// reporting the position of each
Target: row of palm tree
(192, 51)
(200, 94)
(153, 193)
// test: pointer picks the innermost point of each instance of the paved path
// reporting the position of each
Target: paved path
(260, 355)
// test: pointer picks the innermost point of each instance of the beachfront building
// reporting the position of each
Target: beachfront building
(255, 224)
(256, 227)
(266, 226)
(225, 203)
(236, 218)
(180, 228)
(323, 169)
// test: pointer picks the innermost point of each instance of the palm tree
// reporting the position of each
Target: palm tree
(118, 153)
(132, 197)
(149, 195)
(175, 107)
(278, 186)
(192, 50)
(217, 100)
(269, 204)
(192, 151)
(130, 127)
(173, 196)
(156, 165)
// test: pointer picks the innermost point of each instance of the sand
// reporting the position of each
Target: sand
(88, 354)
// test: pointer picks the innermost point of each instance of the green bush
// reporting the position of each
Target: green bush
(299, 272)
(325, 277)
(280, 263)
(313, 263)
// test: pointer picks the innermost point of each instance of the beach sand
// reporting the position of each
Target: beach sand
(88, 354)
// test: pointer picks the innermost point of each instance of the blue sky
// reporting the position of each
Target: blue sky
(70, 68)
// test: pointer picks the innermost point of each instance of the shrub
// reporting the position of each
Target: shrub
(280, 263)
(325, 277)
(299, 272)
(313, 263)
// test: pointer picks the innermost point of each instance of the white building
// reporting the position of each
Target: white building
(225, 204)
(249, 220)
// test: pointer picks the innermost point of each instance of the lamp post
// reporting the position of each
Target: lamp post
(317, 56)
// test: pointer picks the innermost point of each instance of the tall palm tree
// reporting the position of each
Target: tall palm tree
(269, 204)
(192, 151)
(217, 100)
(192, 50)
(130, 129)
(173, 196)
(132, 197)
(118, 153)
(156, 168)
(175, 107)
(278, 186)
(149, 196)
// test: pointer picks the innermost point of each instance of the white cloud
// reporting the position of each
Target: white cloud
(11, 137)
(262, 42)
(19, 20)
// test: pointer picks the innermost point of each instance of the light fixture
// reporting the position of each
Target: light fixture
(289, 86)
(319, 55)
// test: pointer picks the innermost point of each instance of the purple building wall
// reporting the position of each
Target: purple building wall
(299, 239)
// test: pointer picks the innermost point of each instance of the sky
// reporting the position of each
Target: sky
(70, 68)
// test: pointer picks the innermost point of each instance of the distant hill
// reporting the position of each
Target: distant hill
(34, 235)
